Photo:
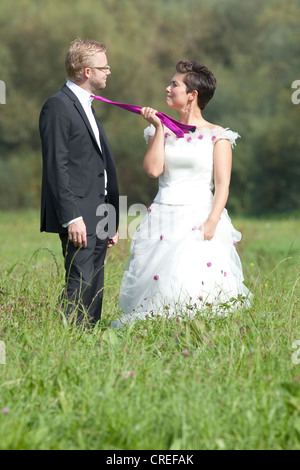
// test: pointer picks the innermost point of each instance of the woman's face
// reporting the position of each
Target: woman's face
(177, 96)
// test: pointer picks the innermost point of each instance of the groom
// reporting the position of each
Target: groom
(79, 180)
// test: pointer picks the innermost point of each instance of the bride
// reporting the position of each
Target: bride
(183, 258)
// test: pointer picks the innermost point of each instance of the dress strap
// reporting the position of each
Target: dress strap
(227, 134)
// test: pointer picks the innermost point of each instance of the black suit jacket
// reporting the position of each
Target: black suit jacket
(73, 166)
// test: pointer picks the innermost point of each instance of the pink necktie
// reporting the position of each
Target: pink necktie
(177, 127)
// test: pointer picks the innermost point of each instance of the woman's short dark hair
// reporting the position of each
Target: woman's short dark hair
(198, 77)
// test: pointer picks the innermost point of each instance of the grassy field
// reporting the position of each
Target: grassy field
(225, 383)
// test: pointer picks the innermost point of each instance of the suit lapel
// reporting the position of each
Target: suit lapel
(82, 113)
(101, 132)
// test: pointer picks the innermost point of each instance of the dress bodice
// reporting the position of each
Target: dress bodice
(188, 174)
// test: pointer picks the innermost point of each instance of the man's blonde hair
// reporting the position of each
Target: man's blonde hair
(79, 56)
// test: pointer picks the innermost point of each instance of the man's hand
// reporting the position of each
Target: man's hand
(113, 241)
(77, 234)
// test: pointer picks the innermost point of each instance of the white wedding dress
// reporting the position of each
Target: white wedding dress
(172, 270)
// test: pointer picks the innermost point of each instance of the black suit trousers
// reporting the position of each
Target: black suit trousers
(83, 293)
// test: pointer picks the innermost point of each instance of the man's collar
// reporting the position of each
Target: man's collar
(81, 93)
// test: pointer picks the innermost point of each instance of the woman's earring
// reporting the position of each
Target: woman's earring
(189, 107)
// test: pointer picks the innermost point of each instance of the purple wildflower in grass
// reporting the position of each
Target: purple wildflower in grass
(185, 352)
(5, 411)
(128, 374)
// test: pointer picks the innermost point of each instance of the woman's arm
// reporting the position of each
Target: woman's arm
(154, 159)
(222, 173)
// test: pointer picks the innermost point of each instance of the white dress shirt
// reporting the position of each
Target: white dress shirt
(86, 102)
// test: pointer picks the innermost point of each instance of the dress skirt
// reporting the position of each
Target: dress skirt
(172, 270)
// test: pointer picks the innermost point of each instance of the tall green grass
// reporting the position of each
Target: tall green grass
(210, 383)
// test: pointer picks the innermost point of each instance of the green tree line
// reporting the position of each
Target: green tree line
(252, 48)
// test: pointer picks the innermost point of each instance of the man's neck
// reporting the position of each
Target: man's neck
(84, 85)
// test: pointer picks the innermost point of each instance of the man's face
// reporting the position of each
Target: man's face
(97, 78)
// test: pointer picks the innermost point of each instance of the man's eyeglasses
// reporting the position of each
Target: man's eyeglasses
(103, 69)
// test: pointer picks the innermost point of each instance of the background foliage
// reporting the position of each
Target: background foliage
(252, 47)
